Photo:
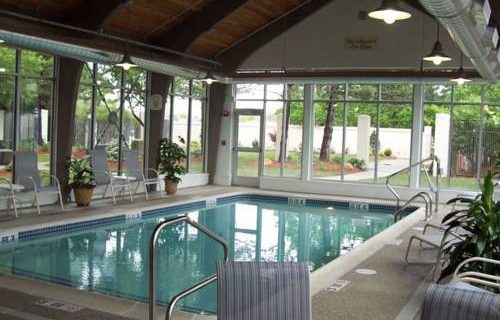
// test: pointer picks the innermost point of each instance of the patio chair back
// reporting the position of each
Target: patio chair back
(131, 158)
(263, 290)
(99, 161)
(26, 165)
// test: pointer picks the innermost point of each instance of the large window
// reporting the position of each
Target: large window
(184, 120)
(110, 112)
(362, 132)
(462, 127)
(32, 73)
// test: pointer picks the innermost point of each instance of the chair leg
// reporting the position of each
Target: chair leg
(130, 193)
(15, 207)
(113, 193)
(61, 201)
(146, 190)
(37, 205)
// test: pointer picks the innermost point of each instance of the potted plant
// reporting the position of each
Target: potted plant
(481, 236)
(81, 179)
(170, 162)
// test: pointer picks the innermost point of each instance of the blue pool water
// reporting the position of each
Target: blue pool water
(113, 259)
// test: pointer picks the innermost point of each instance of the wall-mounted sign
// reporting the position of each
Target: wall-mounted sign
(155, 102)
(355, 43)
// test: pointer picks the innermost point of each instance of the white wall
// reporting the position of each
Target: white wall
(319, 42)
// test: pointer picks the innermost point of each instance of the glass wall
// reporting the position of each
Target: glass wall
(462, 127)
(110, 112)
(362, 132)
(184, 120)
(26, 101)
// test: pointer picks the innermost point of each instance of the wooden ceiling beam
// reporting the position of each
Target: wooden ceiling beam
(183, 35)
(232, 57)
(44, 31)
(93, 14)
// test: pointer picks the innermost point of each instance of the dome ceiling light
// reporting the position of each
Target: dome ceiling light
(390, 12)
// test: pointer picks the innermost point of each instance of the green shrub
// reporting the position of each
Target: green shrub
(388, 152)
(358, 163)
(337, 159)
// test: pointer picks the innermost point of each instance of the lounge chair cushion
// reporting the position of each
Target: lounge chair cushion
(263, 290)
(445, 302)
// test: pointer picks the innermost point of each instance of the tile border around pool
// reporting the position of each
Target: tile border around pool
(13, 235)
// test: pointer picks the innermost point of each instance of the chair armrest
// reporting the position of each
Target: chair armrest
(35, 187)
(153, 170)
(433, 226)
(54, 178)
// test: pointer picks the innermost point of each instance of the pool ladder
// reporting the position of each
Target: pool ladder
(423, 194)
(152, 264)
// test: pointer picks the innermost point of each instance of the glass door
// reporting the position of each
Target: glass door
(247, 151)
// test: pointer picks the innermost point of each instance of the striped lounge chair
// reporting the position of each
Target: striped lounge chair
(263, 290)
(448, 302)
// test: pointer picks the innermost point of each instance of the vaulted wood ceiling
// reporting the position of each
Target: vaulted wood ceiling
(208, 28)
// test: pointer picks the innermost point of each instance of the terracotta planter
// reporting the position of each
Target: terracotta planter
(83, 196)
(170, 186)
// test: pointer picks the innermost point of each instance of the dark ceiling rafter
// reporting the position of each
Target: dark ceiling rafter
(93, 14)
(183, 35)
(352, 74)
(231, 57)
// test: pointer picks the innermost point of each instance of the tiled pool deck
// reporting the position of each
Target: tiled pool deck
(395, 292)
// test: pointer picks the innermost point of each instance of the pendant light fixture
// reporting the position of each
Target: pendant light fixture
(437, 55)
(390, 12)
(127, 62)
(209, 78)
(461, 78)
(2, 41)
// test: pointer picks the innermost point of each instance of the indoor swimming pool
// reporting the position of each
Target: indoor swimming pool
(111, 256)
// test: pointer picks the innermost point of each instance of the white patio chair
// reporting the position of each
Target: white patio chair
(27, 175)
(131, 158)
(7, 193)
(103, 176)
(437, 240)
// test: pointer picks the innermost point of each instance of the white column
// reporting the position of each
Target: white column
(442, 141)
(426, 142)
(307, 132)
(363, 147)
(223, 171)
(2, 121)
(416, 136)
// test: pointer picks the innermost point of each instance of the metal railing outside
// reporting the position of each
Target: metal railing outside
(152, 264)
(434, 187)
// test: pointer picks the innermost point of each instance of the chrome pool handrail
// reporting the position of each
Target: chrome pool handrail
(428, 205)
(152, 263)
(434, 188)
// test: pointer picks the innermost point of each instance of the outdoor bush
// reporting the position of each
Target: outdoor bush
(388, 152)
(322, 166)
(358, 163)
(337, 159)
(46, 147)
(195, 148)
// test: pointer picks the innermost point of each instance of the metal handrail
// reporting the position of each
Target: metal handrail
(434, 188)
(152, 264)
(428, 205)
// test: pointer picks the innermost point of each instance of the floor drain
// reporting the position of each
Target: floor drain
(54, 304)
(337, 285)
(366, 272)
